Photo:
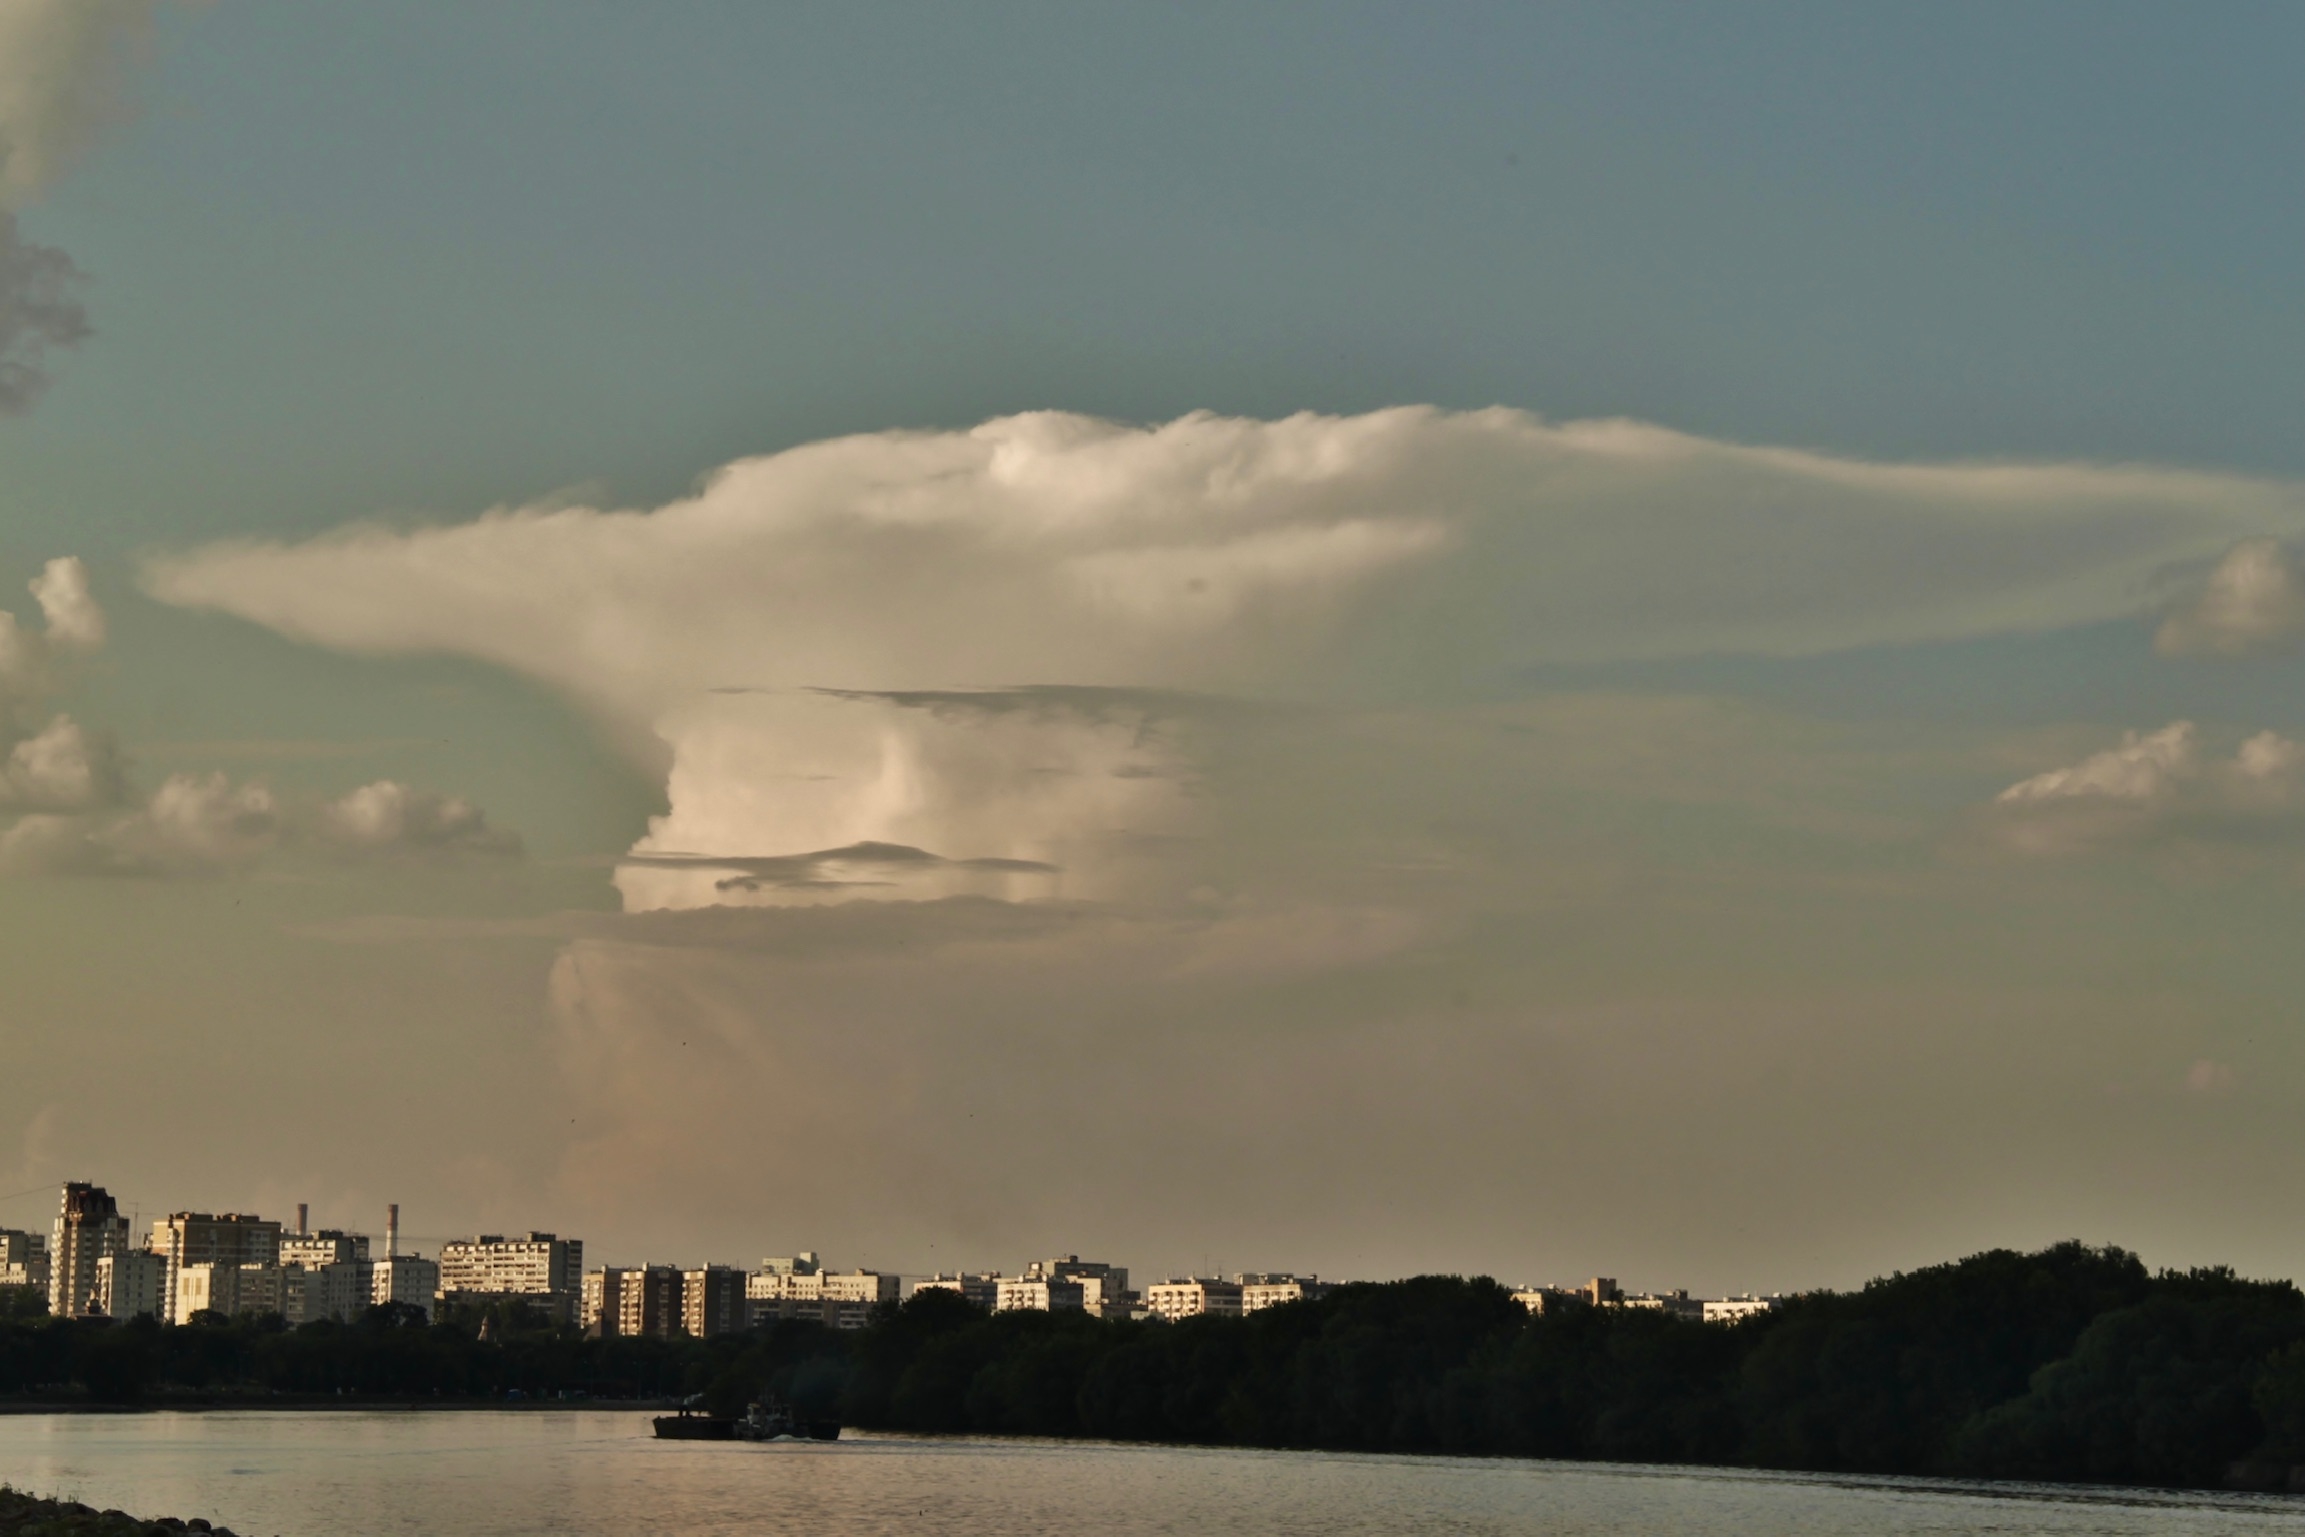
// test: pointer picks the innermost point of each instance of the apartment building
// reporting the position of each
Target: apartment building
(187, 1238)
(1552, 1299)
(1729, 1310)
(712, 1301)
(1271, 1289)
(130, 1284)
(633, 1301)
(222, 1287)
(88, 1227)
(1193, 1296)
(983, 1288)
(1038, 1293)
(329, 1246)
(492, 1265)
(24, 1259)
(405, 1278)
(801, 1288)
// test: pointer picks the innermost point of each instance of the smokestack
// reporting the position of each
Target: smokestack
(392, 1230)
(301, 1209)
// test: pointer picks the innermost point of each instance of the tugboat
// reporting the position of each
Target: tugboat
(693, 1425)
(775, 1421)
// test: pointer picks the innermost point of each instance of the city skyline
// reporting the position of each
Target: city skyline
(1588, 638)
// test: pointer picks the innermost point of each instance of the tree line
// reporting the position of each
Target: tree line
(2074, 1363)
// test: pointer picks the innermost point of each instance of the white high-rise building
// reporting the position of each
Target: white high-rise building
(128, 1284)
(1270, 1291)
(222, 1287)
(406, 1278)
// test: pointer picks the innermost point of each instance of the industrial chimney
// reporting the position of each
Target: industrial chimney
(301, 1209)
(392, 1230)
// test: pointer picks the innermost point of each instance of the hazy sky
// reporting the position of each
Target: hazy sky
(1549, 640)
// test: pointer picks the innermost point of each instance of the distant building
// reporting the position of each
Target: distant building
(88, 1227)
(188, 1238)
(1553, 1299)
(633, 1302)
(800, 1288)
(1104, 1288)
(1602, 1290)
(1678, 1303)
(405, 1278)
(1193, 1296)
(1729, 1310)
(329, 1246)
(130, 1284)
(492, 1265)
(712, 1301)
(982, 1289)
(1037, 1293)
(24, 1259)
(1270, 1290)
(219, 1286)
(343, 1290)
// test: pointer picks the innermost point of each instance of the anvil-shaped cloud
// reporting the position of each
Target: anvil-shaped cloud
(829, 640)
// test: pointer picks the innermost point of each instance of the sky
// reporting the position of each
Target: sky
(1657, 641)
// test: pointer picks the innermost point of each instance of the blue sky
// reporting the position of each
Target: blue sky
(401, 263)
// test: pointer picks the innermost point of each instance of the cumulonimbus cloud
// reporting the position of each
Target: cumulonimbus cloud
(780, 629)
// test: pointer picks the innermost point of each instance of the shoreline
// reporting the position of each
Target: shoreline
(70, 1518)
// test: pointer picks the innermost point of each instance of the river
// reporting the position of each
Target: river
(583, 1472)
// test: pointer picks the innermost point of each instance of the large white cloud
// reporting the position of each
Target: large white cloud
(803, 632)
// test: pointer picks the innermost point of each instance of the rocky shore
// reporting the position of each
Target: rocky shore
(24, 1515)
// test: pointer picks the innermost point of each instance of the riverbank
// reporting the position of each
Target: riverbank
(26, 1515)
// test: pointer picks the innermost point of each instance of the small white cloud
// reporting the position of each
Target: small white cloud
(388, 817)
(66, 767)
(2251, 603)
(2159, 787)
(2142, 768)
(75, 622)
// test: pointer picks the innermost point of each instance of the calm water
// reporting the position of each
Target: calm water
(574, 1474)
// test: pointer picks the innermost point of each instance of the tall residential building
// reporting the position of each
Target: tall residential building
(492, 1265)
(329, 1246)
(222, 1287)
(982, 1289)
(128, 1284)
(632, 1302)
(1103, 1288)
(712, 1301)
(1191, 1296)
(186, 1238)
(405, 1278)
(24, 1259)
(88, 1227)
(339, 1289)
(1270, 1291)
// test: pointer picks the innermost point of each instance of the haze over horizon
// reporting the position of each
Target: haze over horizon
(1656, 641)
